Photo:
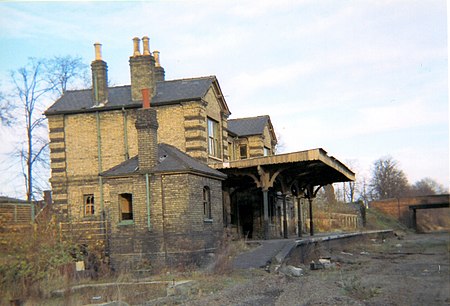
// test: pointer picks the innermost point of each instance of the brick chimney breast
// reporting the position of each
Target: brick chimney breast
(147, 130)
(99, 70)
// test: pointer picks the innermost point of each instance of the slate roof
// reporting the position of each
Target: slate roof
(167, 92)
(171, 159)
(248, 126)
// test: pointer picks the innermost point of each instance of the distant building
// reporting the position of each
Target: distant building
(161, 163)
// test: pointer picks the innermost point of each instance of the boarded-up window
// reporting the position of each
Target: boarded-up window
(126, 206)
(89, 207)
(207, 203)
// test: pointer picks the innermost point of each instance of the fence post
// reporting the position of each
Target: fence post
(32, 212)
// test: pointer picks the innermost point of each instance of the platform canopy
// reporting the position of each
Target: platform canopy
(302, 169)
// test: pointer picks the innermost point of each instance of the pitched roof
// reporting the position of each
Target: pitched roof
(248, 126)
(171, 159)
(167, 92)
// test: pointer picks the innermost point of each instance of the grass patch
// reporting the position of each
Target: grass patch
(378, 220)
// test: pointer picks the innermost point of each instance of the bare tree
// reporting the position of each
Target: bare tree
(351, 188)
(29, 89)
(32, 86)
(388, 181)
(63, 71)
(5, 110)
(427, 186)
(280, 146)
(364, 191)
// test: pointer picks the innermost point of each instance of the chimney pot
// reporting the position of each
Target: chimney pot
(156, 56)
(136, 51)
(146, 44)
(146, 94)
(98, 51)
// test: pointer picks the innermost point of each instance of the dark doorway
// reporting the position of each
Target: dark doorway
(246, 220)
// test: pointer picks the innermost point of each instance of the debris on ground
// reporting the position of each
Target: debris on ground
(291, 271)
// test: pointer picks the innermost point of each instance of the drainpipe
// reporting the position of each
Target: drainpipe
(125, 134)
(99, 152)
(163, 204)
(147, 190)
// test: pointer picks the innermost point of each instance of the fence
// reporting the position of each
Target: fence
(334, 221)
(16, 213)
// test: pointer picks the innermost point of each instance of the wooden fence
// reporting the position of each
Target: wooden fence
(16, 213)
(334, 221)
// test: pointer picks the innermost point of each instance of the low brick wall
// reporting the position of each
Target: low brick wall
(427, 219)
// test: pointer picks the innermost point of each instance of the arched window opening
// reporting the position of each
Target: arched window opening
(89, 208)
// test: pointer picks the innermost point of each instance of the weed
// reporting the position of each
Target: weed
(354, 288)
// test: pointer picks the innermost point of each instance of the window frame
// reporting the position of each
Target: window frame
(241, 146)
(88, 205)
(207, 207)
(213, 129)
(126, 198)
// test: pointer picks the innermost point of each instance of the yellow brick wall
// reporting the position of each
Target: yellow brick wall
(171, 125)
(268, 139)
(255, 144)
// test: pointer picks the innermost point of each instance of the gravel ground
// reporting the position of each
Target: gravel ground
(409, 269)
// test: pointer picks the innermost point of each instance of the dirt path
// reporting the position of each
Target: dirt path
(408, 270)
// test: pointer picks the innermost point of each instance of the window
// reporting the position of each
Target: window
(243, 151)
(126, 206)
(207, 215)
(213, 138)
(89, 208)
(266, 151)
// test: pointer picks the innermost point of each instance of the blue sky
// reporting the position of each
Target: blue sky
(361, 79)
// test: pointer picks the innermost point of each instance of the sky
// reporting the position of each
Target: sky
(361, 79)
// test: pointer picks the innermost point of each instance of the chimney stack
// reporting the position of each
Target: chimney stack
(147, 131)
(142, 69)
(99, 77)
(159, 71)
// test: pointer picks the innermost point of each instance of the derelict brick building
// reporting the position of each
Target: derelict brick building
(162, 164)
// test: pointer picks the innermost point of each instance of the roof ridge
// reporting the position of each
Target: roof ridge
(260, 116)
(190, 79)
(129, 85)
